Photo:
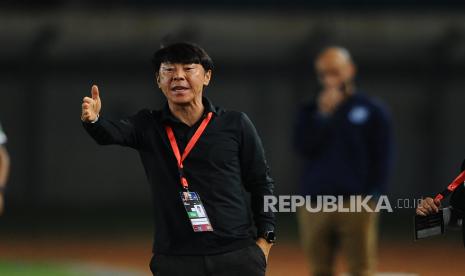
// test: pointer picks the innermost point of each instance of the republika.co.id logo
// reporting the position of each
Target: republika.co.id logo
(327, 203)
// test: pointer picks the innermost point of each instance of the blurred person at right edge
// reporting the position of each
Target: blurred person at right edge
(454, 214)
(344, 140)
(4, 167)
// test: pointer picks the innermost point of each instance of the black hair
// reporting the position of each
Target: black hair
(184, 53)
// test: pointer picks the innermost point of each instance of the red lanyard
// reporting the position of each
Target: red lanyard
(452, 186)
(189, 147)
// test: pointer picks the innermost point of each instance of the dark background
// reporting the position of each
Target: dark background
(410, 55)
(412, 59)
(69, 198)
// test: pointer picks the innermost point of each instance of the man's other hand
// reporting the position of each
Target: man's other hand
(264, 246)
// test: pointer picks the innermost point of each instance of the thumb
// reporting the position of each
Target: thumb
(95, 93)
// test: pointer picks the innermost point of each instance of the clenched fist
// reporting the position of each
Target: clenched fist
(428, 206)
(329, 100)
(91, 106)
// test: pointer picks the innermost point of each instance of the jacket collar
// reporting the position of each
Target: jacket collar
(167, 116)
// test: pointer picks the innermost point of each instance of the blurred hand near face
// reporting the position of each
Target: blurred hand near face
(329, 100)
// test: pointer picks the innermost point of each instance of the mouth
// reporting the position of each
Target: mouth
(179, 89)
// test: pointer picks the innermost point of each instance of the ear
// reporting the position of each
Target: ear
(157, 78)
(208, 76)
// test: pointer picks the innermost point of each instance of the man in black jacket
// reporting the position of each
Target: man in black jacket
(200, 161)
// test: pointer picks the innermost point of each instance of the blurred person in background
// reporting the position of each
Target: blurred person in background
(344, 140)
(226, 161)
(4, 167)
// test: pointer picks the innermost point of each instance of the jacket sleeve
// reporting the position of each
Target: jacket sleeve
(380, 148)
(256, 175)
(125, 132)
(457, 201)
(311, 131)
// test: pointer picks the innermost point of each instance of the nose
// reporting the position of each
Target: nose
(179, 74)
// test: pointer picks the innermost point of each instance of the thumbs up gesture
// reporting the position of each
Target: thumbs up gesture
(91, 106)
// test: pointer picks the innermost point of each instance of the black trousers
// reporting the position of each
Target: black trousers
(248, 261)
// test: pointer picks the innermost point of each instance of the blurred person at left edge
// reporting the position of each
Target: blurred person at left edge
(192, 149)
(4, 167)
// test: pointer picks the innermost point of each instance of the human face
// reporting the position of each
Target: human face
(333, 71)
(182, 84)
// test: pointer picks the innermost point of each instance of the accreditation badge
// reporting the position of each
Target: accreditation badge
(196, 212)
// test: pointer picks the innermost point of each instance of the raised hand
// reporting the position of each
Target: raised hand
(91, 106)
(329, 100)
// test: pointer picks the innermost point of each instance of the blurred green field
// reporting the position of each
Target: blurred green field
(38, 269)
(15, 268)
(105, 245)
